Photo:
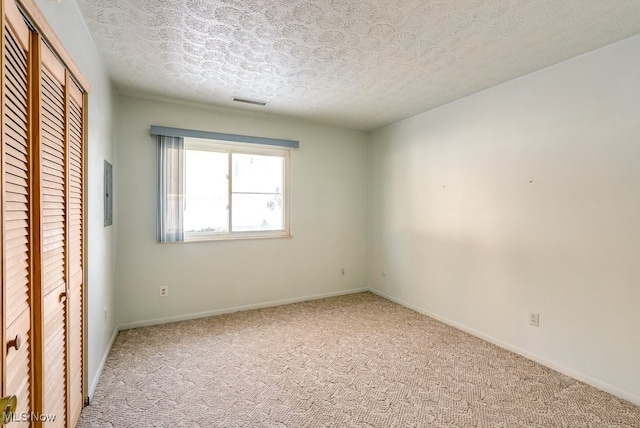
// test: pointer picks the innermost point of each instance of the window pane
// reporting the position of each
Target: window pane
(257, 201)
(257, 173)
(253, 212)
(206, 192)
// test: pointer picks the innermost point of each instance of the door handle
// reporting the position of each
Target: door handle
(8, 406)
(14, 343)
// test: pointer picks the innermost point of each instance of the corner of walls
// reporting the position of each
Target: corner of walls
(368, 219)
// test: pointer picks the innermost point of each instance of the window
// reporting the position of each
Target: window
(222, 186)
(233, 191)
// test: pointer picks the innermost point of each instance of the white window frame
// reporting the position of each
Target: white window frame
(192, 143)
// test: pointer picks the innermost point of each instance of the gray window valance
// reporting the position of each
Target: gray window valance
(182, 133)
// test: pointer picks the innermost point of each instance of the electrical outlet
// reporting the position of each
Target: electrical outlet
(534, 319)
(164, 291)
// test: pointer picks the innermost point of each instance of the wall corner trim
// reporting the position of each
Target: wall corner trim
(242, 308)
(94, 384)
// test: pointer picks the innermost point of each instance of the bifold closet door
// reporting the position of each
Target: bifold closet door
(54, 229)
(17, 257)
(61, 149)
(41, 225)
(75, 209)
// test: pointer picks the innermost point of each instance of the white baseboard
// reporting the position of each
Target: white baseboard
(222, 311)
(94, 384)
(625, 395)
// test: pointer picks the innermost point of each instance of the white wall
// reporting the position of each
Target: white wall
(67, 22)
(328, 221)
(524, 197)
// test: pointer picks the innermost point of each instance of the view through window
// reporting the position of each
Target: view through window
(234, 191)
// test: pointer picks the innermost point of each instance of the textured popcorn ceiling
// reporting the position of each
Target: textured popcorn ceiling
(354, 63)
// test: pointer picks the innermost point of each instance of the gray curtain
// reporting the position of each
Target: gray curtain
(170, 188)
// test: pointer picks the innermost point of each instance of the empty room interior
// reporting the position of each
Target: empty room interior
(296, 213)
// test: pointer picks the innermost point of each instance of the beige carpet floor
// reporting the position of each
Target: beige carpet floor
(351, 361)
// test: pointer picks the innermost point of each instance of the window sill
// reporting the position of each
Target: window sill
(235, 237)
